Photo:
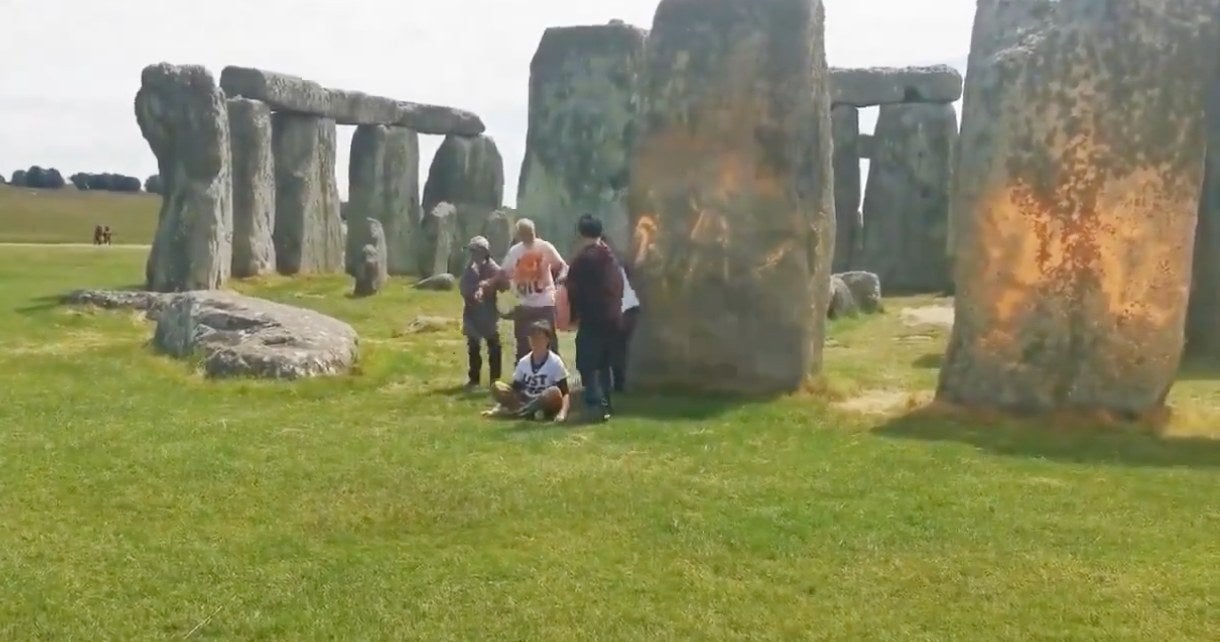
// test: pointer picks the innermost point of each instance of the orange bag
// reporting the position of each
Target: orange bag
(563, 313)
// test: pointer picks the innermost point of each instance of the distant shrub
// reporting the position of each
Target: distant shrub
(18, 178)
(154, 185)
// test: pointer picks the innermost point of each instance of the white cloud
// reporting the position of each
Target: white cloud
(71, 68)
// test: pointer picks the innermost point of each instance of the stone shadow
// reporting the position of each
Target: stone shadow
(1059, 440)
(930, 361)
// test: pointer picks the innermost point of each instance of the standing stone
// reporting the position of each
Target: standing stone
(732, 197)
(370, 273)
(1077, 194)
(906, 206)
(998, 25)
(583, 95)
(845, 127)
(253, 187)
(384, 185)
(182, 115)
(440, 239)
(499, 231)
(469, 174)
(1203, 316)
(308, 231)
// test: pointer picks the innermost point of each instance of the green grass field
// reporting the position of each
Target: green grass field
(140, 501)
(68, 216)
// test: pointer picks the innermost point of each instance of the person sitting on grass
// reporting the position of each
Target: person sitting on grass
(540, 383)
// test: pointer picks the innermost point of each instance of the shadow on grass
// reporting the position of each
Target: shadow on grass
(1065, 441)
(39, 305)
(677, 407)
(930, 361)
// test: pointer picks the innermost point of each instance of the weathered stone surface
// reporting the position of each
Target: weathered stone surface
(439, 239)
(865, 290)
(150, 303)
(289, 93)
(383, 184)
(370, 272)
(906, 204)
(438, 282)
(308, 233)
(842, 301)
(438, 120)
(1203, 315)
(732, 197)
(19, 178)
(845, 124)
(182, 115)
(253, 187)
(1077, 193)
(499, 231)
(241, 336)
(468, 173)
(890, 85)
(864, 145)
(998, 25)
(583, 95)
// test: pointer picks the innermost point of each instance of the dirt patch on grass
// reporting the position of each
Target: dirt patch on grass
(940, 316)
(883, 402)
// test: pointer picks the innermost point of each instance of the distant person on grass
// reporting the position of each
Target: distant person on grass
(594, 287)
(98, 235)
(539, 389)
(531, 268)
(480, 316)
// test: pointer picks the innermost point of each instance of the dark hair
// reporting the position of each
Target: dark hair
(542, 327)
(589, 227)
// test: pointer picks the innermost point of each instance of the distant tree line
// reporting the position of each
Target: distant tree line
(51, 178)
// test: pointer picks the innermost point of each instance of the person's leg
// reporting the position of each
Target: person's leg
(590, 361)
(504, 395)
(521, 332)
(495, 357)
(475, 361)
(548, 314)
(622, 342)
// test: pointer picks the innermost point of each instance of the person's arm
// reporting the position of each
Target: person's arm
(469, 285)
(559, 267)
(566, 404)
(572, 282)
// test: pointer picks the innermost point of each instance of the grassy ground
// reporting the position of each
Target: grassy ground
(139, 501)
(68, 215)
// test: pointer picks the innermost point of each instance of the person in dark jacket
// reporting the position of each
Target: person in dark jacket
(480, 315)
(595, 296)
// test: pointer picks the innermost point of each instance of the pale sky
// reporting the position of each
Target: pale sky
(69, 69)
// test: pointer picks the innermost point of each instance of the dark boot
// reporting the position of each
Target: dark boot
(495, 358)
(476, 361)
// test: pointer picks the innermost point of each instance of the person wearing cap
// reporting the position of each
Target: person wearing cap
(531, 267)
(480, 314)
(539, 389)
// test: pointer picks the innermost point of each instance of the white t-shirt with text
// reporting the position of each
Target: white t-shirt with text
(538, 377)
(529, 268)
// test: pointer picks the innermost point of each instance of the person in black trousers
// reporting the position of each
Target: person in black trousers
(595, 298)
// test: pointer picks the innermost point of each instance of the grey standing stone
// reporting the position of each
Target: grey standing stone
(889, 85)
(438, 283)
(253, 187)
(440, 238)
(845, 124)
(469, 174)
(1077, 194)
(308, 231)
(865, 145)
(998, 25)
(1203, 316)
(370, 272)
(182, 115)
(906, 205)
(383, 185)
(732, 197)
(499, 231)
(583, 94)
